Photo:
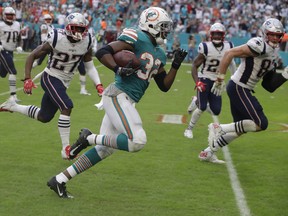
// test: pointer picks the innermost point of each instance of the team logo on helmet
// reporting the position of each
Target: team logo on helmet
(152, 15)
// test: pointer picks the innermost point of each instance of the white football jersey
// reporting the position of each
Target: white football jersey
(45, 27)
(9, 35)
(252, 69)
(65, 57)
(213, 57)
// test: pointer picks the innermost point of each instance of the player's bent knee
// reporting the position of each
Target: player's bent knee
(104, 151)
(138, 142)
(135, 147)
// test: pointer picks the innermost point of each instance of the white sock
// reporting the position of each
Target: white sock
(12, 83)
(64, 129)
(194, 118)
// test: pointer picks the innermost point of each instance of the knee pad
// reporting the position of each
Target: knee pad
(104, 151)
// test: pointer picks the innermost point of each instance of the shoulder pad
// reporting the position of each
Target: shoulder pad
(201, 48)
(256, 44)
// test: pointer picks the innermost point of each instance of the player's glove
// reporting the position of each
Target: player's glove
(1, 48)
(28, 85)
(179, 56)
(219, 85)
(125, 71)
(19, 49)
(200, 86)
(100, 89)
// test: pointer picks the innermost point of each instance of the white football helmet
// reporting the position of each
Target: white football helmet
(76, 26)
(47, 19)
(273, 32)
(157, 22)
(217, 33)
(9, 14)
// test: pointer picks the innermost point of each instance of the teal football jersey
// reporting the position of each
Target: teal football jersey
(151, 58)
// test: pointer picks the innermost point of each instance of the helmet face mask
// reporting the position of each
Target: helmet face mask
(157, 22)
(76, 26)
(9, 14)
(217, 33)
(47, 19)
(273, 32)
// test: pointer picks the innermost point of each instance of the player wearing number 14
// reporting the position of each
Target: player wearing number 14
(66, 48)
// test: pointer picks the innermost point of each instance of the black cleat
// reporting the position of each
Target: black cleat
(81, 143)
(60, 189)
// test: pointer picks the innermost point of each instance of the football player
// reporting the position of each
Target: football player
(258, 57)
(44, 29)
(121, 127)
(67, 47)
(210, 54)
(10, 39)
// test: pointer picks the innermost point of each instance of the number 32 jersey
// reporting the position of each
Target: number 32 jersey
(213, 56)
(65, 57)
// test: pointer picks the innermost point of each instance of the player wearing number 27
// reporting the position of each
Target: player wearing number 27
(67, 47)
(121, 127)
(257, 60)
(209, 56)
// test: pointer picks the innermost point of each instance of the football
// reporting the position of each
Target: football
(123, 57)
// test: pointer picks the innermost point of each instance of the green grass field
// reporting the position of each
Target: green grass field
(164, 179)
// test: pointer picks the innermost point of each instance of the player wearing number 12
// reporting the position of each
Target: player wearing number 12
(67, 47)
(121, 127)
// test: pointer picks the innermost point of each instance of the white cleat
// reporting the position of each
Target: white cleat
(209, 156)
(84, 92)
(14, 97)
(192, 105)
(7, 105)
(188, 133)
(215, 131)
(65, 153)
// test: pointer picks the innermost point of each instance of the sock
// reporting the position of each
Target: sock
(12, 83)
(30, 110)
(64, 129)
(82, 82)
(119, 141)
(225, 139)
(194, 118)
(239, 127)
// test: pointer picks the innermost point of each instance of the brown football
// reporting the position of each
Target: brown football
(123, 57)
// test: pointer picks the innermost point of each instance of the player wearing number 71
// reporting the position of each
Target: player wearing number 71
(66, 48)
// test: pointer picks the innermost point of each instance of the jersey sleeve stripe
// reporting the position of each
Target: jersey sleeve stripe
(90, 41)
(131, 34)
(55, 38)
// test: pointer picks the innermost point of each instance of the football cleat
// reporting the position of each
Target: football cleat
(84, 92)
(60, 189)
(215, 131)
(80, 144)
(7, 105)
(209, 156)
(188, 133)
(192, 105)
(65, 153)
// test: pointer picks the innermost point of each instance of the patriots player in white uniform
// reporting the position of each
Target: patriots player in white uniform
(121, 126)
(44, 29)
(209, 56)
(67, 47)
(258, 57)
(10, 39)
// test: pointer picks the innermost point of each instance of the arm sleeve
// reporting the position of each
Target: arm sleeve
(92, 72)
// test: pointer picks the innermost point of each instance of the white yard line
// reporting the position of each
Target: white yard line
(235, 183)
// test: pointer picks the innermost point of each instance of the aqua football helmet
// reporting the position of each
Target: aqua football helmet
(273, 32)
(217, 33)
(157, 22)
(76, 26)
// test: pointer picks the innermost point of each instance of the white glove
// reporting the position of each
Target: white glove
(1, 48)
(219, 85)
(218, 88)
(19, 49)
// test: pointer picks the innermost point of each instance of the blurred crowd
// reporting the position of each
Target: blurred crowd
(242, 18)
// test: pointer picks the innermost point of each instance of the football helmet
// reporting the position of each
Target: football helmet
(9, 14)
(47, 19)
(76, 26)
(273, 32)
(217, 33)
(157, 22)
